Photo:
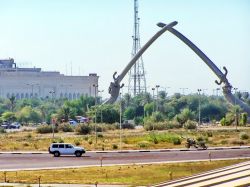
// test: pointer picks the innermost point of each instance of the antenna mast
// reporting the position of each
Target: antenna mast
(137, 80)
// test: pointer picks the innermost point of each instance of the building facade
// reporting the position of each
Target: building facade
(35, 83)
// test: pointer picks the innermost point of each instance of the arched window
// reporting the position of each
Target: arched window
(17, 96)
(26, 95)
(22, 95)
(74, 96)
(8, 95)
(70, 96)
(78, 95)
(36, 95)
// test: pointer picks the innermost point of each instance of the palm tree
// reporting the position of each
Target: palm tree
(12, 102)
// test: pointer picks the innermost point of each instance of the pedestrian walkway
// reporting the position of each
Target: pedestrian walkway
(235, 175)
(57, 185)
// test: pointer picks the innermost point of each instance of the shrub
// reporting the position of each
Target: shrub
(138, 120)
(99, 135)
(176, 140)
(114, 146)
(224, 142)
(2, 130)
(190, 125)
(200, 139)
(243, 119)
(155, 126)
(244, 136)
(65, 127)
(157, 117)
(128, 126)
(237, 142)
(77, 142)
(90, 141)
(209, 134)
(58, 140)
(173, 125)
(83, 129)
(46, 129)
(29, 136)
(25, 144)
(153, 138)
(223, 121)
(164, 137)
(143, 144)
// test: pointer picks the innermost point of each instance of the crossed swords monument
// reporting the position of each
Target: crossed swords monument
(115, 86)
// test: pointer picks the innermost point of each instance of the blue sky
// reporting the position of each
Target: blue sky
(95, 36)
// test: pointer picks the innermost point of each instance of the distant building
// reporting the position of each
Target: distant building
(32, 82)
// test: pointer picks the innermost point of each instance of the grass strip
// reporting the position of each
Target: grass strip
(133, 175)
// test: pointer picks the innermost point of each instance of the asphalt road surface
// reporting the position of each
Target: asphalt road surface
(42, 161)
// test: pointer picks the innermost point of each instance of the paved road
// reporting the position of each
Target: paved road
(35, 161)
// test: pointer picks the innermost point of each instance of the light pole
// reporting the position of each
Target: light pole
(101, 102)
(199, 93)
(153, 89)
(157, 97)
(120, 122)
(235, 110)
(96, 87)
(52, 96)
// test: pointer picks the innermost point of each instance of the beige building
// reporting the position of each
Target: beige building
(32, 82)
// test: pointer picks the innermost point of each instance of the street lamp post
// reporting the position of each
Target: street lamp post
(96, 87)
(52, 96)
(199, 90)
(235, 110)
(153, 89)
(120, 122)
(101, 102)
(157, 97)
(53, 120)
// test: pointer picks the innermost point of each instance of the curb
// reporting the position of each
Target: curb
(140, 151)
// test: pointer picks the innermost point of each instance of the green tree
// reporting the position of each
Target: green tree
(149, 108)
(8, 116)
(185, 115)
(129, 113)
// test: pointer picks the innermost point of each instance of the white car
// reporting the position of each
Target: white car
(58, 149)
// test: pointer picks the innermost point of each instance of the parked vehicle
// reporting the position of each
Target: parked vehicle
(72, 122)
(191, 142)
(15, 125)
(58, 149)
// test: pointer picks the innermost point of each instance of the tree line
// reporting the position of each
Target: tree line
(141, 108)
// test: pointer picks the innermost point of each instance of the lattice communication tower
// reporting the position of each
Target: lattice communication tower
(137, 80)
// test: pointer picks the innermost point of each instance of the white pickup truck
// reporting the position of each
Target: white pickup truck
(58, 149)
